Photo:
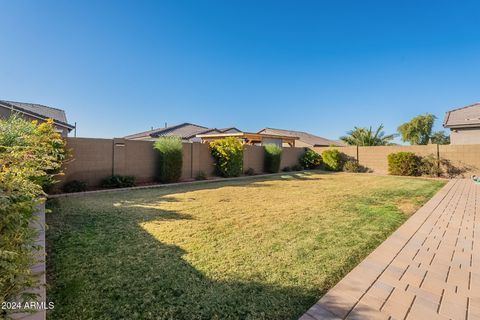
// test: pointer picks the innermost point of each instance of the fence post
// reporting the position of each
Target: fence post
(191, 159)
(195, 159)
(438, 160)
(113, 157)
(118, 165)
(358, 160)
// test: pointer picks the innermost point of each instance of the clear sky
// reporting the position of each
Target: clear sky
(121, 67)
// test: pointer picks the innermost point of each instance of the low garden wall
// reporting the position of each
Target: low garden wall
(466, 158)
(37, 312)
(94, 159)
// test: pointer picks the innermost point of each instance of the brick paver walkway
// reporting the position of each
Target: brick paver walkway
(428, 269)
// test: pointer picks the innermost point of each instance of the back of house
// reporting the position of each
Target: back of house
(464, 124)
(305, 139)
(34, 111)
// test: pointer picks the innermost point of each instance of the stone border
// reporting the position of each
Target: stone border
(38, 269)
(184, 183)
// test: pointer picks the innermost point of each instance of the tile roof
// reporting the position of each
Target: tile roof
(185, 131)
(305, 137)
(468, 116)
(229, 130)
(39, 111)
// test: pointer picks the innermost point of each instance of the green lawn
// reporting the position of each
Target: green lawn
(250, 249)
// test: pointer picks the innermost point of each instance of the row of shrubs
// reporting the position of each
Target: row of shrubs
(331, 160)
(110, 182)
(31, 155)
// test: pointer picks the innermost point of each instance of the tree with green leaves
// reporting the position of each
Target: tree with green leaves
(419, 131)
(440, 137)
(368, 137)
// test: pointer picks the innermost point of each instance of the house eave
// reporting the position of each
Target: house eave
(462, 126)
(37, 116)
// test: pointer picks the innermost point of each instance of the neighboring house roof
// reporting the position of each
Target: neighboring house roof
(305, 137)
(229, 130)
(184, 131)
(249, 137)
(38, 111)
(464, 117)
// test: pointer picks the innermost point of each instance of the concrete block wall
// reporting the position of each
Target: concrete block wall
(91, 160)
(464, 157)
(139, 160)
(253, 158)
(376, 157)
(96, 159)
(290, 156)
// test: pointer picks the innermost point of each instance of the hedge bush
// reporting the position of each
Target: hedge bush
(30, 155)
(310, 159)
(352, 166)
(117, 181)
(74, 186)
(404, 164)
(170, 150)
(430, 166)
(273, 157)
(228, 155)
(332, 160)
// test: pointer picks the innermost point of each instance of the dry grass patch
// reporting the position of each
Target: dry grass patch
(251, 249)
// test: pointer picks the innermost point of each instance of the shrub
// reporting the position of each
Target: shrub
(286, 169)
(74, 186)
(228, 155)
(404, 164)
(351, 166)
(430, 166)
(30, 155)
(170, 151)
(332, 160)
(117, 181)
(250, 172)
(297, 167)
(273, 156)
(433, 167)
(201, 176)
(310, 160)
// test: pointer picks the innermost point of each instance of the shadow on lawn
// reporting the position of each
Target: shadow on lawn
(251, 181)
(103, 265)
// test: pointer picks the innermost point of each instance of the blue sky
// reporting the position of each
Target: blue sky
(323, 67)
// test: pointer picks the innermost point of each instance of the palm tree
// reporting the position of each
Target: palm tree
(367, 137)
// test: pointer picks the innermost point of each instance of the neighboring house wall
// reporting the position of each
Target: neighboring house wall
(6, 113)
(465, 136)
(301, 144)
(464, 124)
(278, 142)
